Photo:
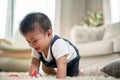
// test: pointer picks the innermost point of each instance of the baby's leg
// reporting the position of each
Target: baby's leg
(48, 70)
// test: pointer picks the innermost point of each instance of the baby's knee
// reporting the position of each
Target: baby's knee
(48, 70)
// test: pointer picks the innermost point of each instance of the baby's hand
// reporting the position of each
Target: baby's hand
(35, 74)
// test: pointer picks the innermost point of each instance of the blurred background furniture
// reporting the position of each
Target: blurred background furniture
(97, 46)
(14, 55)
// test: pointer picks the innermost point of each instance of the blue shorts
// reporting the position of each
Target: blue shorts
(73, 67)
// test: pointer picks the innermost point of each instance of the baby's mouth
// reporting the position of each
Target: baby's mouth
(37, 49)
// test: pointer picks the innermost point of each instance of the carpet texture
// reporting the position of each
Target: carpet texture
(24, 76)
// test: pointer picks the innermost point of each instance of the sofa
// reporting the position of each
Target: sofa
(15, 54)
(97, 45)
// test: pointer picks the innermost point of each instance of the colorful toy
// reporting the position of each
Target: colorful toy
(14, 75)
(34, 73)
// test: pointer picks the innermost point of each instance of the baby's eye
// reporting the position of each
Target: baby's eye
(35, 41)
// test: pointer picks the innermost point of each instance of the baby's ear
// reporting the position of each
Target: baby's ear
(49, 33)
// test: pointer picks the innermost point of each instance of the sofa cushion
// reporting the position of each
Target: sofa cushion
(112, 31)
(86, 34)
(14, 64)
(96, 48)
(6, 48)
(117, 44)
(113, 68)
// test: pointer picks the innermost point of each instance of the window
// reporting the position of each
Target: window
(23, 7)
(115, 11)
(3, 13)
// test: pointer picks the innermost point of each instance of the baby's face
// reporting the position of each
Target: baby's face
(38, 40)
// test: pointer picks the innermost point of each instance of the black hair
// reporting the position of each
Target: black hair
(29, 21)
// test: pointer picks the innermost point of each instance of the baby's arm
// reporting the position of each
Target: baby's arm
(61, 67)
(35, 64)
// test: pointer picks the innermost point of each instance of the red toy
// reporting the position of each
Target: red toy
(14, 75)
(34, 73)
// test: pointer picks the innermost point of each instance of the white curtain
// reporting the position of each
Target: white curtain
(3, 13)
(68, 14)
(115, 11)
(107, 12)
(111, 9)
(9, 20)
